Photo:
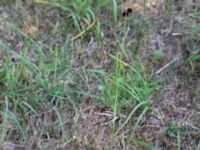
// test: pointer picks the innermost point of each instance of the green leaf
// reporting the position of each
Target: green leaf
(158, 54)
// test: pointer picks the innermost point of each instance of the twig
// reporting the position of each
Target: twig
(167, 65)
(81, 33)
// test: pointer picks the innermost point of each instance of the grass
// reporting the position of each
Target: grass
(30, 84)
(88, 77)
(82, 14)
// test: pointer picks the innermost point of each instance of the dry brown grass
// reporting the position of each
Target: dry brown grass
(89, 124)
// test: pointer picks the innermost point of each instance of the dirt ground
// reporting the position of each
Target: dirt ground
(89, 126)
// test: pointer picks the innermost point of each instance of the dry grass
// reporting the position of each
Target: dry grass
(59, 93)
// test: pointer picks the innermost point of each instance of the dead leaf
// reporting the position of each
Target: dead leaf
(30, 30)
(35, 142)
(124, 65)
(25, 73)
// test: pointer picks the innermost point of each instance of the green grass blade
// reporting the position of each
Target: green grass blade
(30, 107)
(179, 138)
(115, 11)
(5, 121)
(15, 120)
(131, 114)
(54, 5)
(140, 118)
(146, 145)
(61, 124)
(198, 147)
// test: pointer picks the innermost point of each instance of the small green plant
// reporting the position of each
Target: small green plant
(158, 54)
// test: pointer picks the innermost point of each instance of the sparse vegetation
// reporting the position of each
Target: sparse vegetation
(84, 74)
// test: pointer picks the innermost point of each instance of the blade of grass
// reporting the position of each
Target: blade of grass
(140, 118)
(61, 124)
(30, 107)
(123, 50)
(15, 120)
(146, 145)
(130, 115)
(198, 147)
(5, 121)
(117, 81)
(179, 138)
(80, 34)
(54, 5)
(115, 11)
(145, 7)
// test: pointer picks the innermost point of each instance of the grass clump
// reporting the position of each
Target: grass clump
(128, 88)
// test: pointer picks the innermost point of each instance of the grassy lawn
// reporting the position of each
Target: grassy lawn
(99, 75)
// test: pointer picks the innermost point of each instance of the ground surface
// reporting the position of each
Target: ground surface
(101, 82)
